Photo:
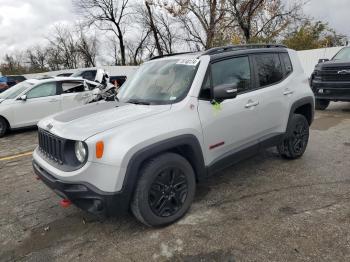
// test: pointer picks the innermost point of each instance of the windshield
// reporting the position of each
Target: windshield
(343, 54)
(160, 82)
(14, 91)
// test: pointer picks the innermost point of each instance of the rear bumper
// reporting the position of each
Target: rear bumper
(84, 195)
(336, 91)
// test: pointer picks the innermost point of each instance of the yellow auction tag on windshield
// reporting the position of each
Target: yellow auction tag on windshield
(189, 62)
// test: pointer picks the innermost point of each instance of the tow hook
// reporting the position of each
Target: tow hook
(65, 203)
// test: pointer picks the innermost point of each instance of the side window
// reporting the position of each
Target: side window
(47, 89)
(269, 69)
(287, 63)
(232, 71)
(72, 87)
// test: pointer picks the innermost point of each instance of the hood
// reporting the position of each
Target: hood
(6, 101)
(333, 64)
(83, 122)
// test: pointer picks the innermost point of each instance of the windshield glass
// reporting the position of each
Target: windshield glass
(160, 82)
(14, 91)
(343, 54)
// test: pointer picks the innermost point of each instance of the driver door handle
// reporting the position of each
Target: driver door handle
(251, 104)
(232, 90)
(53, 100)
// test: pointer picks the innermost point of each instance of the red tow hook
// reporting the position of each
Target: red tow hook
(37, 178)
(65, 203)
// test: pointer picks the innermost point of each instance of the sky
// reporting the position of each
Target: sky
(24, 23)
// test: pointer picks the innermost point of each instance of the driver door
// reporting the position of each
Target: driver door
(42, 101)
(230, 127)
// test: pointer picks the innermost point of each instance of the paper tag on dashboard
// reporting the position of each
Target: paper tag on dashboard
(190, 62)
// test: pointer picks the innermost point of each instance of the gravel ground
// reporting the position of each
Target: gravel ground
(263, 209)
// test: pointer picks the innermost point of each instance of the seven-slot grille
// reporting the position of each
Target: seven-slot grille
(51, 146)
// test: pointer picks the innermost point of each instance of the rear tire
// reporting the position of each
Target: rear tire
(3, 127)
(297, 138)
(321, 104)
(165, 190)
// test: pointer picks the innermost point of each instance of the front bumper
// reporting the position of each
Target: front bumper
(85, 196)
(336, 91)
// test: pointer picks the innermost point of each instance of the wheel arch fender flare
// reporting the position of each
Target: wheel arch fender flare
(186, 145)
(310, 101)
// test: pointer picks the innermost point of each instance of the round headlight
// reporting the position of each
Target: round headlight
(80, 151)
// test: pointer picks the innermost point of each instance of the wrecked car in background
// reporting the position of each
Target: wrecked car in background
(26, 103)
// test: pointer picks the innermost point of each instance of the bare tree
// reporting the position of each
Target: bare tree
(87, 47)
(54, 59)
(113, 50)
(136, 48)
(107, 15)
(65, 44)
(264, 19)
(168, 31)
(153, 27)
(37, 57)
(200, 19)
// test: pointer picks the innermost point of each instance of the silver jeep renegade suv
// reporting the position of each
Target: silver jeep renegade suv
(178, 120)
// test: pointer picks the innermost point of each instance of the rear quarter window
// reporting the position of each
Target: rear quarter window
(269, 69)
(285, 59)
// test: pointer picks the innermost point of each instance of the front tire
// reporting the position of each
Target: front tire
(321, 104)
(3, 127)
(165, 190)
(297, 138)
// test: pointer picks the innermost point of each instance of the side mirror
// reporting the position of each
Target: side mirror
(322, 60)
(23, 98)
(225, 91)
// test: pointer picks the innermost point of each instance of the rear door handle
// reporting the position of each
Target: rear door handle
(288, 92)
(53, 100)
(251, 104)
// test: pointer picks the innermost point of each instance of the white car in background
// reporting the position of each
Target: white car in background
(26, 103)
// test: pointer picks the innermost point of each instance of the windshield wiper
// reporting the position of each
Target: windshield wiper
(138, 102)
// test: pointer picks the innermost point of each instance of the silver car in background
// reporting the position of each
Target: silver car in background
(26, 103)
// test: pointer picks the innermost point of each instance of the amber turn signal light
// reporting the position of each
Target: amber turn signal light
(99, 149)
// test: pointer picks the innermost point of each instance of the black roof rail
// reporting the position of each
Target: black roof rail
(172, 54)
(221, 49)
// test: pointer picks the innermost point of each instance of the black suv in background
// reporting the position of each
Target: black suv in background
(330, 80)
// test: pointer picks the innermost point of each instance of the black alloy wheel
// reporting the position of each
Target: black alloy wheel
(168, 192)
(165, 190)
(300, 137)
(297, 138)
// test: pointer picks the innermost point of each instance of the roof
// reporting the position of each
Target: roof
(57, 79)
(222, 50)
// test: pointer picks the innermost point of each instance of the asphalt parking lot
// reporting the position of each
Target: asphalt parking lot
(263, 209)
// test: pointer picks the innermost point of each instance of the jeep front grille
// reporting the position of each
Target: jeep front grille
(51, 146)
